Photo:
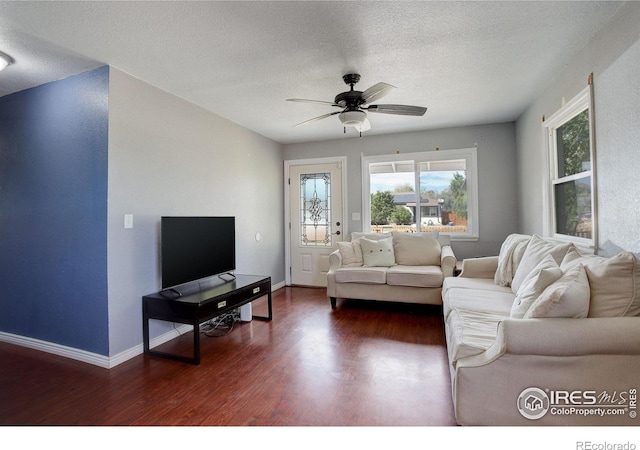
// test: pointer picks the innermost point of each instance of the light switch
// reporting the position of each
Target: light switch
(128, 220)
(355, 216)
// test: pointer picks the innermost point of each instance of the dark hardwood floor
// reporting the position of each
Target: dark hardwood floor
(362, 364)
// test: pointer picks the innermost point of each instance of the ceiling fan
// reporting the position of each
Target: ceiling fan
(354, 105)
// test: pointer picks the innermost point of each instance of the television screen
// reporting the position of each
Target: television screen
(196, 247)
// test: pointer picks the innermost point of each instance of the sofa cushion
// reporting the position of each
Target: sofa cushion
(416, 249)
(545, 273)
(368, 275)
(483, 284)
(567, 297)
(470, 332)
(351, 253)
(537, 250)
(378, 253)
(495, 301)
(416, 276)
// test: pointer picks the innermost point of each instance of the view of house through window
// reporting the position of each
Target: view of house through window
(418, 194)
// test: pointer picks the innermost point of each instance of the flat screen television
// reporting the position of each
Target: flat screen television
(193, 248)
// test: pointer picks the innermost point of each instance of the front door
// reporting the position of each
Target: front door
(315, 198)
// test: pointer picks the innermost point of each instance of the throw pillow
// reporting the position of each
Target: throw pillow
(416, 249)
(378, 253)
(536, 251)
(614, 282)
(567, 297)
(372, 236)
(351, 253)
(545, 273)
(572, 258)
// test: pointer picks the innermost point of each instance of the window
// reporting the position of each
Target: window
(428, 191)
(570, 208)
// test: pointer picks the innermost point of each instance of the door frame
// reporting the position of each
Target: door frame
(342, 160)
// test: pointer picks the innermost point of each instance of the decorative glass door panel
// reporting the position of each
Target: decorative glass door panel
(315, 213)
(315, 197)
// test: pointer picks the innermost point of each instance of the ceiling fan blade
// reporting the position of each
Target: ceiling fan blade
(304, 100)
(364, 126)
(375, 92)
(402, 110)
(324, 116)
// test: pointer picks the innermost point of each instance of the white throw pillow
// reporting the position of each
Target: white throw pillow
(378, 253)
(568, 297)
(372, 236)
(351, 253)
(572, 258)
(545, 273)
(536, 251)
(614, 285)
(416, 249)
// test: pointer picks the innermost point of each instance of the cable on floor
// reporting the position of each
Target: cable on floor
(221, 325)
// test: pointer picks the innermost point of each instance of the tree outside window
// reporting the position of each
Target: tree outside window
(571, 184)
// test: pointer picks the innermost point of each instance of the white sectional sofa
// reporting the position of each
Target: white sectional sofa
(396, 266)
(544, 335)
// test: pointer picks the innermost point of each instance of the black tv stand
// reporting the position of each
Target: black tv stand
(200, 305)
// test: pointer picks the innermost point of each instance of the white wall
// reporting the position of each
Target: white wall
(169, 157)
(613, 56)
(496, 167)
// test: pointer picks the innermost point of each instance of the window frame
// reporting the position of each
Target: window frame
(470, 155)
(580, 103)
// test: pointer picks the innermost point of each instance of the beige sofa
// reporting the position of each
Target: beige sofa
(544, 335)
(396, 267)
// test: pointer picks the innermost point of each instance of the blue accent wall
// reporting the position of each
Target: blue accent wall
(53, 212)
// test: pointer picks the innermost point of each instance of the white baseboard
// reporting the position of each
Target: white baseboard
(106, 362)
(56, 349)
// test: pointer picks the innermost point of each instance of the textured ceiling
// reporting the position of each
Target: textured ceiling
(468, 62)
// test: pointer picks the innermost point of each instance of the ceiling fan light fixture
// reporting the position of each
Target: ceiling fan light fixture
(352, 118)
(5, 61)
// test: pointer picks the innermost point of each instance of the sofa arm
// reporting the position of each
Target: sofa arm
(571, 337)
(484, 267)
(562, 337)
(595, 354)
(335, 261)
(447, 261)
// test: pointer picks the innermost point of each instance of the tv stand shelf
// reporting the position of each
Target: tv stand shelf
(201, 304)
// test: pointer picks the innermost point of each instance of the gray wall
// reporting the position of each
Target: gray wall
(169, 157)
(613, 56)
(496, 166)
